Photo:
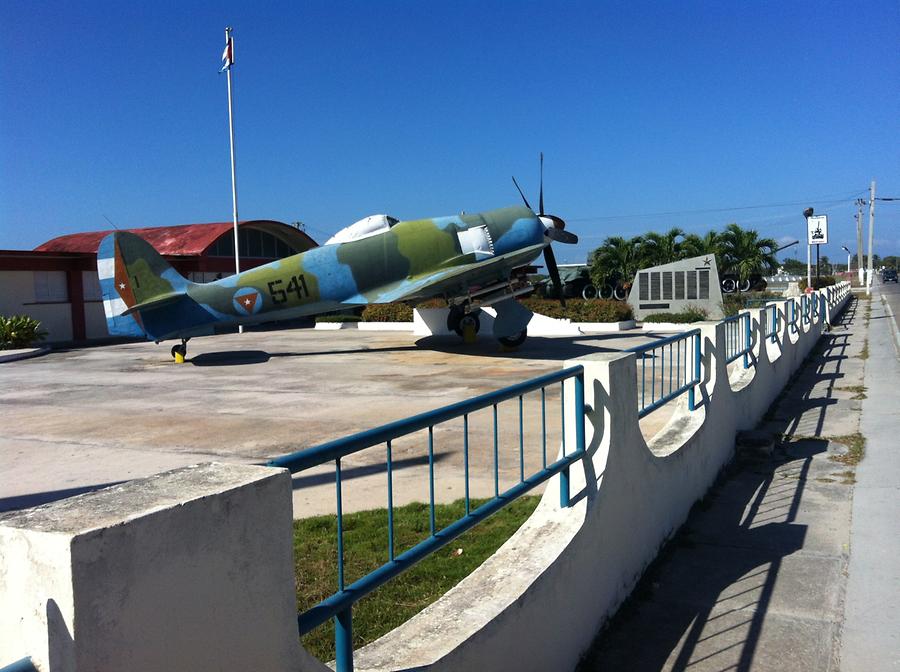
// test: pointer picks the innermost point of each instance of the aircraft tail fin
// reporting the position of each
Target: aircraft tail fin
(134, 277)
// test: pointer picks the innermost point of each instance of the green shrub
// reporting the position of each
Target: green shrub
(686, 316)
(19, 331)
(387, 312)
(432, 303)
(818, 283)
(579, 310)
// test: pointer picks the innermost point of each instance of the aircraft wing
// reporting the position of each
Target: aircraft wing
(454, 280)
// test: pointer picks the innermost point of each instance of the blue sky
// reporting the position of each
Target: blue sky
(342, 109)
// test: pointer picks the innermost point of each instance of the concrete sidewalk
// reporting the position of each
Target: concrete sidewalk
(757, 577)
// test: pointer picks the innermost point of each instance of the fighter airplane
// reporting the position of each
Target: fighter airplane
(467, 259)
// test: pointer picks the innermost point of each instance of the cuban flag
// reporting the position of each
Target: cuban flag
(228, 54)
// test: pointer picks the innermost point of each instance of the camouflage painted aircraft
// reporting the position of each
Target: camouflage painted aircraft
(467, 259)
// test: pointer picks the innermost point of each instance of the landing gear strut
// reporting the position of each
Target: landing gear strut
(179, 352)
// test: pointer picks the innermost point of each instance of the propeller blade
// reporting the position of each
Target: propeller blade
(561, 236)
(520, 193)
(542, 184)
(553, 270)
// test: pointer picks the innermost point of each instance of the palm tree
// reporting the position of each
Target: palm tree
(695, 246)
(745, 253)
(617, 260)
(662, 248)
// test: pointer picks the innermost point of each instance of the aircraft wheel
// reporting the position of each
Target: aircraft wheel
(515, 340)
(619, 293)
(606, 291)
(745, 286)
(589, 292)
(469, 323)
(460, 321)
(179, 353)
(729, 285)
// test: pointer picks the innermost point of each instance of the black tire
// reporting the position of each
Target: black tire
(458, 319)
(606, 291)
(589, 292)
(515, 340)
(729, 285)
(745, 286)
(179, 350)
(619, 293)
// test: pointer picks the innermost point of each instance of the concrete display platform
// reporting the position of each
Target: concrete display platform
(79, 419)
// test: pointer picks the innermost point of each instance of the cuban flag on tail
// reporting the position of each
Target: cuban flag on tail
(228, 54)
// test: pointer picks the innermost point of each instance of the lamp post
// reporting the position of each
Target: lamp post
(849, 254)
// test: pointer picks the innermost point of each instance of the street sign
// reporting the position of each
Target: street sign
(817, 230)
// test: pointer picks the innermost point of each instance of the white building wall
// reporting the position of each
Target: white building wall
(18, 297)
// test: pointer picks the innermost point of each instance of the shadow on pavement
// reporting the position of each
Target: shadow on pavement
(706, 597)
(536, 347)
(37, 498)
(708, 601)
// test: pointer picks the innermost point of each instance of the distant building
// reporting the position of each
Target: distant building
(57, 283)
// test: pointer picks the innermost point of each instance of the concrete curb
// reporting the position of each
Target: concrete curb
(25, 353)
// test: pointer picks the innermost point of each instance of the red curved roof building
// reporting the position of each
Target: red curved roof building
(56, 282)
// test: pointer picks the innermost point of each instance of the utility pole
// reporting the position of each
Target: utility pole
(859, 245)
(806, 215)
(871, 235)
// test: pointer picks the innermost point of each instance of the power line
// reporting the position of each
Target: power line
(821, 201)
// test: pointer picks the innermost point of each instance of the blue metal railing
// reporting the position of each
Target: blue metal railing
(21, 665)
(340, 604)
(678, 370)
(738, 338)
(771, 322)
(792, 320)
(804, 309)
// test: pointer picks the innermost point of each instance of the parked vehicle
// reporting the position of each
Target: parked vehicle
(732, 283)
(576, 283)
(889, 275)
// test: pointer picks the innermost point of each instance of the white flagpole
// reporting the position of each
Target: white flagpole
(229, 50)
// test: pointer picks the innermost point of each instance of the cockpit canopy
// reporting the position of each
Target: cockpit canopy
(368, 226)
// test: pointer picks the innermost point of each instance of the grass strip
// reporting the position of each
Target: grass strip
(856, 449)
(365, 549)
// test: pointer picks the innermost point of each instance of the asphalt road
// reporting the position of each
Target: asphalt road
(890, 292)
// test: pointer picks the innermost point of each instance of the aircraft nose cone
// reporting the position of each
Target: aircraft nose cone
(555, 229)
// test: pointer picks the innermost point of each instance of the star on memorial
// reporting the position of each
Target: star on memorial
(121, 285)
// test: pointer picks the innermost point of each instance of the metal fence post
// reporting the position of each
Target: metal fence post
(564, 498)
(343, 640)
(747, 339)
(579, 413)
(691, 392)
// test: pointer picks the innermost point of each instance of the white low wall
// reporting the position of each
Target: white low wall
(192, 569)
(541, 599)
(186, 570)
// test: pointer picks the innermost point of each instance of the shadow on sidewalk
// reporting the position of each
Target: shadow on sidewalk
(709, 600)
(802, 407)
(706, 596)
